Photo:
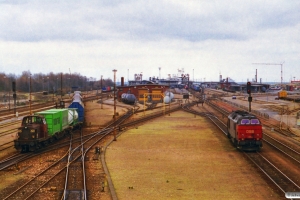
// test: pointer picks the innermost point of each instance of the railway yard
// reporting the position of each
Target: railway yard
(178, 151)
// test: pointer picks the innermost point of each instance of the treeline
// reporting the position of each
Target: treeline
(50, 82)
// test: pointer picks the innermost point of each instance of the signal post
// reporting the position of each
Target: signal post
(249, 92)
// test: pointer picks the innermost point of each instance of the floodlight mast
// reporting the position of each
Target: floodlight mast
(272, 64)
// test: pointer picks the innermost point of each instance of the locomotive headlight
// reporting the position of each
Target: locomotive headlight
(32, 131)
(33, 136)
(19, 131)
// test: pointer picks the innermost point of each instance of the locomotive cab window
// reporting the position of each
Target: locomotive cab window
(255, 121)
(245, 121)
(27, 120)
(32, 120)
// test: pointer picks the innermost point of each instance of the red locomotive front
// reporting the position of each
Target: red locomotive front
(33, 130)
(245, 130)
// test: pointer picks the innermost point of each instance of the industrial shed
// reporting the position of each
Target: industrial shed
(156, 91)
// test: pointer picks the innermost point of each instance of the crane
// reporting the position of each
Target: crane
(272, 64)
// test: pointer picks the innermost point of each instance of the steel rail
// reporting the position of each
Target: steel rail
(286, 185)
(296, 153)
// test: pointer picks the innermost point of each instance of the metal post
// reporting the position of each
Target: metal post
(30, 112)
(14, 96)
(170, 99)
(4, 96)
(48, 84)
(114, 93)
(101, 94)
(61, 86)
(250, 103)
(8, 99)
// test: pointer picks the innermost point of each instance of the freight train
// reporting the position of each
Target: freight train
(45, 127)
(245, 130)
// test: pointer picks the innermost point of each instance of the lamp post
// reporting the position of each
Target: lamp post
(115, 138)
(101, 94)
(48, 83)
(9, 88)
(114, 93)
(4, 96)
(56, 86)
(169, 98)
(30, 112)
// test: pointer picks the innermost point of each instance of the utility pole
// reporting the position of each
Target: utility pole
(115, 138)
(101, 94)
(114, 93)
(249, 92)
(61, 85)
(272, 64)
(70, 82)
(14, 95)
(30, 112)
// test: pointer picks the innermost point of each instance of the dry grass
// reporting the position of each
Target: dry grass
(181, 157)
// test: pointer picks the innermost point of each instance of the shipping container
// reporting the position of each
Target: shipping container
(57, 120)
(282, 94)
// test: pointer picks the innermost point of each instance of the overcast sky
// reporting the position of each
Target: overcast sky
(204, 37)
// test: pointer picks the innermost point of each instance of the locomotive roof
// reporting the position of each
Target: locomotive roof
(243, 113)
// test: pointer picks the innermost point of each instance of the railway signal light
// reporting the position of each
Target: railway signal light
(249, 87)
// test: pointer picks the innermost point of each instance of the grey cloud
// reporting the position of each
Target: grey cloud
(142, 20)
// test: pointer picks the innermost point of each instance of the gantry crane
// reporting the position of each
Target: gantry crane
(272, 64)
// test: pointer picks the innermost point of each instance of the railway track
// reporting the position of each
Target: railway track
(6, 145)
(284, 148)
(281, 180)
(73, 155)
(75, 170)
(31, 187)
(284, 182)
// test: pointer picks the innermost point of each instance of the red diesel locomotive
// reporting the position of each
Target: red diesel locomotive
(245, 130)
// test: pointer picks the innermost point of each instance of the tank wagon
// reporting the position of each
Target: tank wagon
(128, 98)
(245, 130)
(45, 127)
(168, 96)
(78, 104)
